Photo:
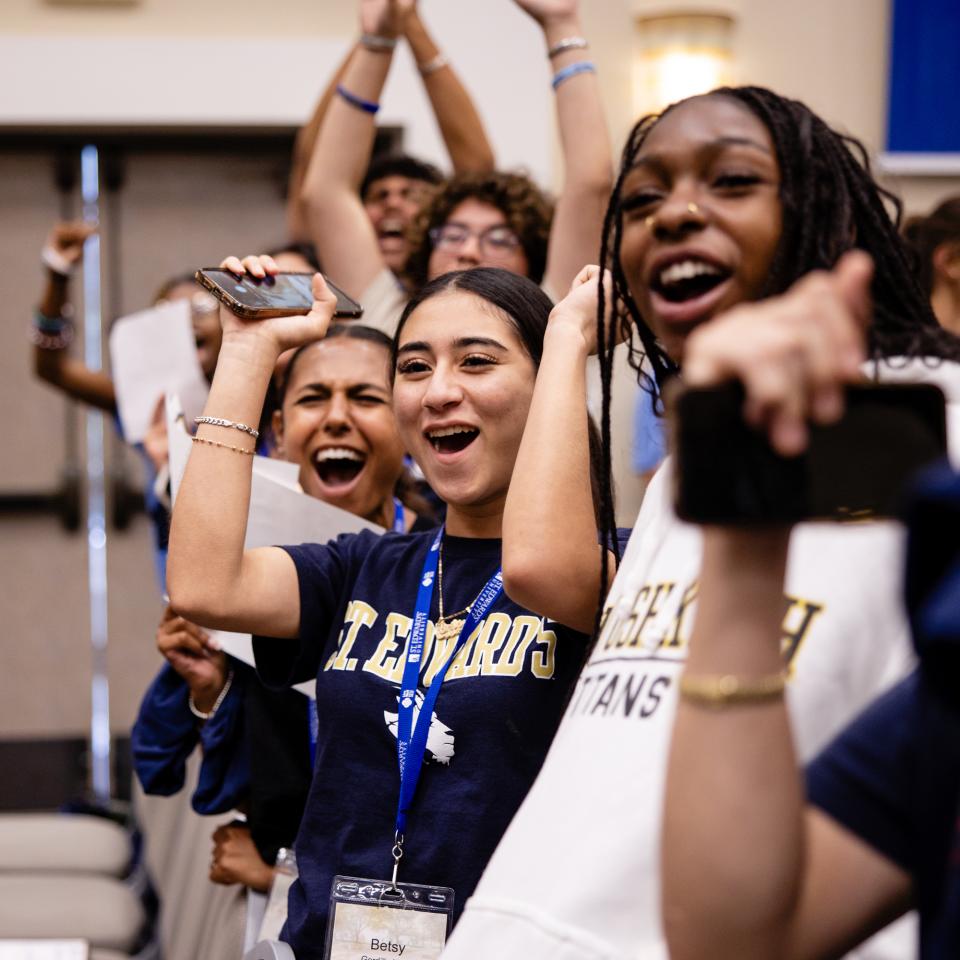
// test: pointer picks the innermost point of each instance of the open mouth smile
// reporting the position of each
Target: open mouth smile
(339, 468)
(687, 288)
(451, 440)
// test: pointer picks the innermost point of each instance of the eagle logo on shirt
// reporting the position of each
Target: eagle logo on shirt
(439, 737)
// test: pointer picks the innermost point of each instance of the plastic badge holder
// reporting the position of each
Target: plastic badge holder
(375, 920)
(275, 914)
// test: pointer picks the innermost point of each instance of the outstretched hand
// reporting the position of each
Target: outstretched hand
(385, 18)
(547, 11)
(285, 333)
(793, 353)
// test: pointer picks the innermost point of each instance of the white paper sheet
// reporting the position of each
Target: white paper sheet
(43, 950)
(154, 352)
(279, 513)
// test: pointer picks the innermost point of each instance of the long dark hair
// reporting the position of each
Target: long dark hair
(831, 203)
(525, 307)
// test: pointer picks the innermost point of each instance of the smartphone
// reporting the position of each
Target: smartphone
(283, 295)
(856, 469)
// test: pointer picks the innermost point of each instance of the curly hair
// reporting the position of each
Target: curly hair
(527, 210)
(831, 203)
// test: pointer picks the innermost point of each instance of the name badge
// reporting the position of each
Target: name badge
(380, 920)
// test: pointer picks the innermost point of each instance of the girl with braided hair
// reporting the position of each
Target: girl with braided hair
(731, 222)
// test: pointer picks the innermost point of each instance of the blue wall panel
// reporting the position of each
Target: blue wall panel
(924, 101)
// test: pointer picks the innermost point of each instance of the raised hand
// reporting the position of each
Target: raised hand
(548, 11)
(67, 239)
(188, 650)
(579, 307)
(793, 353)
(385, 18)
(284, 333)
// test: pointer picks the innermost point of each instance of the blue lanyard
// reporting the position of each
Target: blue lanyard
(399, 525)
(313, 729)
(412, 741)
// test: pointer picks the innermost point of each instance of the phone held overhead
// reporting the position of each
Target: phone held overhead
(855, 469)
(281, 295)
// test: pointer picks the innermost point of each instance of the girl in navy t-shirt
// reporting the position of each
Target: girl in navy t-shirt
(465, 361)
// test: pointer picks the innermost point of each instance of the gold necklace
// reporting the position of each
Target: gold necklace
(448, 628)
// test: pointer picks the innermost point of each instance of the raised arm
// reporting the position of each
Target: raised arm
(551, 560)
(211, 579)
(747, 872)
(584, 140)
(342, 233)
(460, 124)
(297, 226)
(51, 360)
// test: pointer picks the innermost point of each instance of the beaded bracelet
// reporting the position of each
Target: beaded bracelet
(224, 446)
(567, 43)
(198, 713)
(219, 422)
(377, 44)
(581, 66)
(50, 333)
(367, 106)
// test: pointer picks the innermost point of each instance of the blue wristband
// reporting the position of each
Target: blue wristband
(49, 325)
(582, 66)
(367, 106)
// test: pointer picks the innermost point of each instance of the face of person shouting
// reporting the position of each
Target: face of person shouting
(337, 423)
(701, 216)
(463, 384)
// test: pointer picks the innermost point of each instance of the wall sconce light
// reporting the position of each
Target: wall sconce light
(682, 49)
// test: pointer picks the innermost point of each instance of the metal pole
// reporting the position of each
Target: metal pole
(96, 498)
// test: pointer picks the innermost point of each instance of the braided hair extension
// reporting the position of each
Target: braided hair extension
(831, 204)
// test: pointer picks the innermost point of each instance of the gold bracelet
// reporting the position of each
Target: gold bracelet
(226, 446)
(725, 690)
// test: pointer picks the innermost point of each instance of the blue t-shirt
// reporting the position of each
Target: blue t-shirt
(495, 717)
(893, 778)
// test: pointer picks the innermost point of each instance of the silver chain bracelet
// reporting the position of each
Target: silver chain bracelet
(219, 422)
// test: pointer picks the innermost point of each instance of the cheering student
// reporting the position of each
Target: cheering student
(725, 204)
(750, 867)
(477, 219)
(382, 622)
(335, 420)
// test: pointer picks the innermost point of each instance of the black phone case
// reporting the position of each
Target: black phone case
(856, 469)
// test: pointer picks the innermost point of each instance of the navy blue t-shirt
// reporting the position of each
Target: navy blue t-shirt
(495, 717)
(893, 778)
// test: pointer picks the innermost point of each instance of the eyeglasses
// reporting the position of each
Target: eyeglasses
(496, 243)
